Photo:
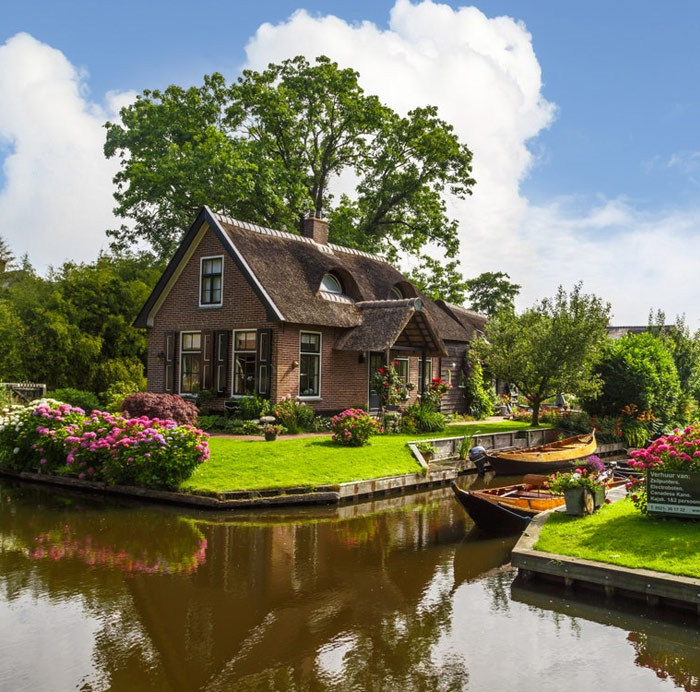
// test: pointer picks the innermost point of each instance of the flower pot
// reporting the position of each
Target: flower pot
(599, 497)
(579, 501)
(269, 437)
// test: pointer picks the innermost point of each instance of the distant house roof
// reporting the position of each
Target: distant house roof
(472, 322)
(618, 332)
(286, 271)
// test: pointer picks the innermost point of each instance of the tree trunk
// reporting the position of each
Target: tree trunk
(536, 412)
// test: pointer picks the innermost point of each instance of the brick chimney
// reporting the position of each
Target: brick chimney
(316, 227)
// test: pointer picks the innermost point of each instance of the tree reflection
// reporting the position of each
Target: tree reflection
(681, 665)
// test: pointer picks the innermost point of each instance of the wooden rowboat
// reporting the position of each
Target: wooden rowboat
(508, 509)
(545, 458)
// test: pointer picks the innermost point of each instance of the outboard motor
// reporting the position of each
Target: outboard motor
(478, 456)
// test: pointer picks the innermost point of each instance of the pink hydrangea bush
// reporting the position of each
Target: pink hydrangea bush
(353, 427)
(679, 451)
(56, 438)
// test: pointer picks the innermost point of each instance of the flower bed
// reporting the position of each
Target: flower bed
(53, 437)
(353, 427)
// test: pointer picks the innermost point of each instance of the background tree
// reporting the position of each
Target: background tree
(6, 255)
(491, 292)
(637, 370)
(270, 147)
(439, 280)
(549, 348)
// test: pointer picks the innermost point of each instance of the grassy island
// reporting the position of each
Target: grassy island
(620, 535)
(252, 464)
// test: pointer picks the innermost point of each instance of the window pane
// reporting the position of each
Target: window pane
(244, 374)
(401, 367)
(191, 341)
(264, 380)
(264, 339)
(310, 343)
(309, 375)
(331, 284)
(245, 341)
(190, 373)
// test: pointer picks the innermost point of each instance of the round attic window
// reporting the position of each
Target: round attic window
(331, 284)
(396, 293)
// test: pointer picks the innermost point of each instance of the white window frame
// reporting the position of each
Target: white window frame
(233, 363)
(201, 271)
(182, 352)
(315, 397)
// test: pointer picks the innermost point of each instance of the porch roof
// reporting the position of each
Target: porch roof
(398, 324)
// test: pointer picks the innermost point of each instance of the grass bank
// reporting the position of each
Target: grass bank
(618, 534)
(256, 465)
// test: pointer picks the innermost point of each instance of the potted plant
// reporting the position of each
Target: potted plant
(583, 487)
(270, 431)
(427, 450)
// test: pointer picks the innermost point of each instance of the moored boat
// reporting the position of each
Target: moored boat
(510, 508)
(546, 459)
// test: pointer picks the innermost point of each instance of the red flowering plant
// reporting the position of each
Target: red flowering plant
(435, 391)
(679, 451)
(388, 385)
(353, 427)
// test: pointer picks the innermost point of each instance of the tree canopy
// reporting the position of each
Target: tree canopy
(550, 348)
(274, 145)
(491, 292)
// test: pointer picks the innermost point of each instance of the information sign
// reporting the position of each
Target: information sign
(673, 493)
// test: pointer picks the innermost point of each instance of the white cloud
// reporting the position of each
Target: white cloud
(56, 202)
(484, 76)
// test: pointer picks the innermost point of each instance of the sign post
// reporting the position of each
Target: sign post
(673, 494)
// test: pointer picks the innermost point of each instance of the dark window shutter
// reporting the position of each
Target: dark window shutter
(169, 361)
(220, 360)
(264, 358)
(205, 356)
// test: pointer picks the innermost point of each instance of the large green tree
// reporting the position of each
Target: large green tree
(73, 328)
(271, 146)
(491, 292)
(550, 347)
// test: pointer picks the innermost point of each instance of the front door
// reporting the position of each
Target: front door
(376, 361)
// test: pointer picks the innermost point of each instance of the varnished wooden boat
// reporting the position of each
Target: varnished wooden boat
(508, 509)
(544, 458)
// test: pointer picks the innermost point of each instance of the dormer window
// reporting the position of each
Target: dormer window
(396, 293)
(331, 284)
(210, 280)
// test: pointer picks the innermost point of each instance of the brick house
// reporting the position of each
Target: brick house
(243, 310)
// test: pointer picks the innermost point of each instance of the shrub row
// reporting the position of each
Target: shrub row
(53, 437)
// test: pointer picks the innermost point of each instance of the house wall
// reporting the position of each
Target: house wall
(241, 309)
(451, 370)
(344, 380)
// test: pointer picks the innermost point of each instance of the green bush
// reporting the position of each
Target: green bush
(49, 436)
(253, 407)
(423, 419)
(113, 398)
(637, 370)
(204, 400)
(477, 394)
(213, 423)
(293, 414)
(76, 397)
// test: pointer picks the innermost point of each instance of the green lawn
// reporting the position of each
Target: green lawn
(310, 461)
(620, 535)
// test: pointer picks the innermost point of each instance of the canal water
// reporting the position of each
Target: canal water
(395, 595)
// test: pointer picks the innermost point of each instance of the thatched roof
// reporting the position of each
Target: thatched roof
(472, 322)
(401, 324)
(285, 270)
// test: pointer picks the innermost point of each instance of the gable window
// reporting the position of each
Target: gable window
(244, 363)
(331, 284)
(396, 293)
(190, 362)
(210, 281)
(309, 364)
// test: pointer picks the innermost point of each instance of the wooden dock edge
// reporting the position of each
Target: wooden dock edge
(340, 494)
(656, 588)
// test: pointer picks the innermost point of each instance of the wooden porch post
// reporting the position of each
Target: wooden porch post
(423, 361)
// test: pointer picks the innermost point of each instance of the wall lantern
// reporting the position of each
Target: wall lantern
(295, 363)
(160, 357)
(362, 357)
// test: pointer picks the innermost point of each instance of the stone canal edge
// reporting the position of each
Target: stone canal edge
(656, 588)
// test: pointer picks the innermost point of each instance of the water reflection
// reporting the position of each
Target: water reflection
(399, 594)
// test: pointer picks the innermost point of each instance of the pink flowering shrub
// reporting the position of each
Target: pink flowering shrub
(163, 406)
(679, 451)
(353, 427)
(55, 438)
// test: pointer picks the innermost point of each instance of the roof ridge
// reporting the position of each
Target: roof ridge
(248, 226)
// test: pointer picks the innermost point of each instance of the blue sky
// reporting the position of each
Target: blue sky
(609, 154)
